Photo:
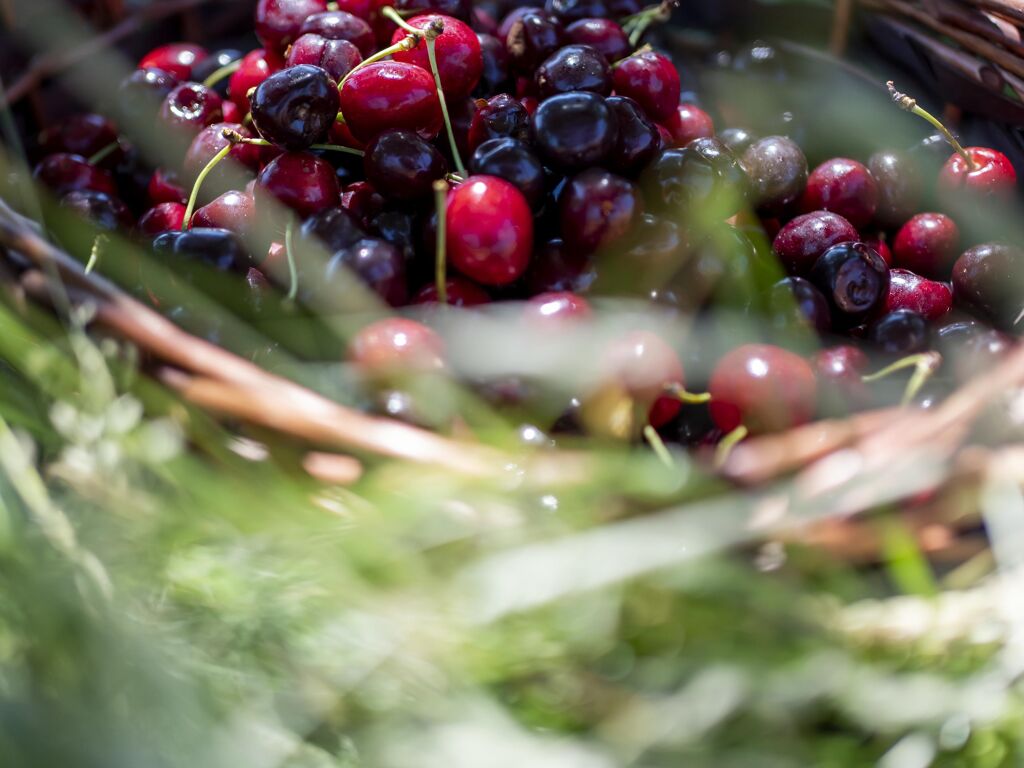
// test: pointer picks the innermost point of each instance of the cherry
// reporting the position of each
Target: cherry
(799, 244)
(643, 364)
(794, 298)
(296, 107)
(457, 9)
(900, 333)
(483, 22)
(402, 166)
(854, 279)
(490, 230)
(652, 81)
(336, 57)
(100, 209)
(164, 187)
(558, 307)
(574, 130)
(989, 174)
(362, 201)
(605, 35)
(494, 76)
(82, 134)
(777, 169)
(881, 247)
(556, 267)
(396, 346)
(141, 94)
(927, 244)
(597, 208)
(177, 58)
(191, 106)
(256, 66)
(985, 279)
(358, 8)
(650, 253)
(63, 173)
(499, 117)
(233, 210)
(514, 15)
(840, 372)
(573, 10)
(278, 21)
(209, 141)
(212, 63)
(163, 217)
(845, 187)
(899, 188)
(531, 38)
(391, 94)
(460, 293)
(457, 49)
(341, 25)
(216, 248)
(573, 68)
(738, 140)
(379, 264)
(690, 122)
(763, 388)
(514, 161)
(638, 140)
(704, 176)
(908, 290)
(332, 229)
(303, 182)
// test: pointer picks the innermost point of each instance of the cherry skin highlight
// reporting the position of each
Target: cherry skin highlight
(176, 58)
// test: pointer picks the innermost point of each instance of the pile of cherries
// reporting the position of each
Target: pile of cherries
(445, 153)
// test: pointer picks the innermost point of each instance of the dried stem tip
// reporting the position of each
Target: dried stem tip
(901, 99)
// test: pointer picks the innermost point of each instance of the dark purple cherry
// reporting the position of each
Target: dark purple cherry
(377, 263)
(597, 208)
(63, 173)
(573, 10)
(605, 35)
(333, 229)
(794, 298)
(100, 209)
(777, 169)
(217, 248)
(336, 57)
(899, 187)
(341, 25)
(702, 177)
(215, 61)
(574, 130)
(457, 9)
(738, 140)
(638, 139)
(83, 134)
(573, 68)
(514, 161)
(500, 117)
(854, 280)
(494, 77)
(986, 279)
(532, 38)
(296, 107)
(900, 333)
(557, 267)
(402, 166)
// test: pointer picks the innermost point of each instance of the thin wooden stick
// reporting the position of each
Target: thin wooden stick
(841, 16)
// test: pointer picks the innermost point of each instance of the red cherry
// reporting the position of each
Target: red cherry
(799, 244)
(490, 230)
(254, 69)
(63, 173)
(192, 106)
(651, 80)
(304, 182)
(881, 247)
(688, 123)
(764, 388)
(840, 372)
(607, 36)
(644, 365)
(342, 25)
(278, 21)
(84, 134)
(209, 141)
(176, 58)
(845, 187)
(461, 293)
(557, 306)
(359, 8)
(165, 217)
(231, 112)
(459, 57)
(927, 244)
(391, 94)
(336, 57)
(233, 210)
(362, 201)
(164, 188)
(395, 346)
(993, 175)
(908, 290)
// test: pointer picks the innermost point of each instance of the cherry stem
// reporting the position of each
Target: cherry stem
(94, 254)
(332, 6)
(910, 105)
(440, 242)
(728, 443)
(405, 44)
(219, 74)
(289, 254)
(321, 147)
(103, 153)
(691, 398)
(658, 446)
(645, 48)
(924, 365)
(637, 24)
(192, 198)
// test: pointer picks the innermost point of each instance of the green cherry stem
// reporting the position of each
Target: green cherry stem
(690, 398)
(910, 105)
(658, 446)
(289, 254)
(94, 254)
(192, 198)
(219, 74)
(441, 242)
(728, 443)
(924, 365)
(637, 24)
(405, 44)
(321, 147)
(103, 153)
